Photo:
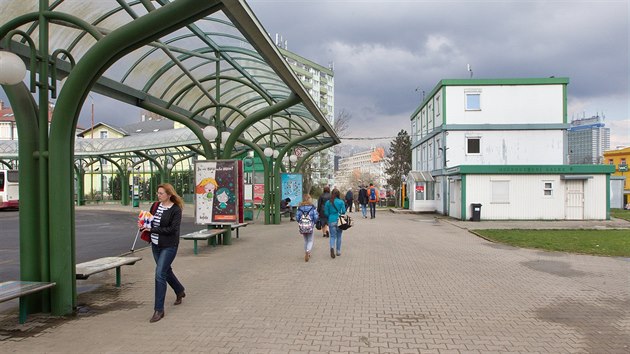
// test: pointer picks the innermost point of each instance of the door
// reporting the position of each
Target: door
(574, 206)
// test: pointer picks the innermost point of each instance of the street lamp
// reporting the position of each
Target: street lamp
(210, 132)
(268, 152)
(12, 69)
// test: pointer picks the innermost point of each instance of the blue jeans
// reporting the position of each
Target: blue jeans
(164, 257)
(308, 242)
(335, 236)
(364, 210)
(372, 210)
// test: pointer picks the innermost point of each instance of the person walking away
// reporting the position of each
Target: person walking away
(306, 217)
(333, 208)
(349, 200)
(320, 209)
(164, 242)
(363, 200)
(372, 200)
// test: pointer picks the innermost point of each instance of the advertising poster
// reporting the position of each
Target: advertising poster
(291, 187)
(259, 193)
(216, 192)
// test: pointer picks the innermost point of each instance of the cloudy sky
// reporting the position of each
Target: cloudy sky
(385, 53)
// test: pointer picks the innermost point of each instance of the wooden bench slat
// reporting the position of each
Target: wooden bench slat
(84, 270)
(13, 289)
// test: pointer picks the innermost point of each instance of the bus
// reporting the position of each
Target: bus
(9, 189)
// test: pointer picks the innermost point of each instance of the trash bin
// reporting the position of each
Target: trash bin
(406, 203)
(476, 212)
(248, 211)
(136, 202)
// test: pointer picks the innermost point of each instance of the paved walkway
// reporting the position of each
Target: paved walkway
(404, 284)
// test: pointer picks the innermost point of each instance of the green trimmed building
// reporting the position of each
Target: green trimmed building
(501, 143)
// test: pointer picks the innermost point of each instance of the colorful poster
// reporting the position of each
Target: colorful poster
(259, 193)
(291, 187)
(216, 192)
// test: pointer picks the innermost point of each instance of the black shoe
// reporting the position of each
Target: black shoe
(179, 298)
(157, 316)
(332, 253)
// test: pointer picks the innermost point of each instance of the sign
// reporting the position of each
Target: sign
(623, 168)
(419, 188)
(217, 195)
(259, 193)
(291, 187)
(298, 152)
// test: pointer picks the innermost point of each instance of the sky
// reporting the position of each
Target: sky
(386, 53)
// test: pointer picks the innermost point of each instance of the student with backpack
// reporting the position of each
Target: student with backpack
(333, 208)
(372, 199)
(307, 216)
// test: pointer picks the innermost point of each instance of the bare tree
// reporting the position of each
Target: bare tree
(341, 126)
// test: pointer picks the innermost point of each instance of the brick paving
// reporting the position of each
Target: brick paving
(405, 283)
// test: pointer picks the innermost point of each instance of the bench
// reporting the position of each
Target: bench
(84, 270)
(207, 234)
(238, 226)
(10, 290)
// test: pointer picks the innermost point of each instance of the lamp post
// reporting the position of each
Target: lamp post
(269, 185)
(210, 132)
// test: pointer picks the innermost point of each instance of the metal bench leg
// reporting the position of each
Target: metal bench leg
(227, 236)
(23, 310)
(237, 232)
(213, 241)
(118, 277)
(195, 246)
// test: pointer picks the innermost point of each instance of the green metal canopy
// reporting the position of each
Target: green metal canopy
(217, 70)
(200, 63)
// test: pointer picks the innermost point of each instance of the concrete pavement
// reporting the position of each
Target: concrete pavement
(405, 283)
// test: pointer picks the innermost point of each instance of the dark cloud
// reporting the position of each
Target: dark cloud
(384, 50)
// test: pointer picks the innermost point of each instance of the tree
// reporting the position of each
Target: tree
(399, 161)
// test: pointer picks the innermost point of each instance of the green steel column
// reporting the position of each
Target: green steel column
(43, 95)
(124, 186)
(25, 110)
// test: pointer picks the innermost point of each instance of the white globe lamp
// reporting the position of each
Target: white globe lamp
(276, 153)
(268, 152)
(293, 158)
(210, 132)
(12, 69)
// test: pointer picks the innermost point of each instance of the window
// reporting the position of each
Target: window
(473, 145)
(473, 101)
(500, 191)
(547, 188)
(437, 106)
(103, 134)
(611, 162)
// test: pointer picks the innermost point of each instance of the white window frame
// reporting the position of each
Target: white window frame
(548, 189)
(467, 103)
(470, 138)
(500, 191)
(103, 134)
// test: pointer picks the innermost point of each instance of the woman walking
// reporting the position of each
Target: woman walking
(164, 242)
(307, 217)
(333, 208)
(320, 209)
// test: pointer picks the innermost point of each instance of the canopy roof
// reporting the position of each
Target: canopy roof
(223, 66)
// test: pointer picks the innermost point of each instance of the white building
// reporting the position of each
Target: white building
(501, 143)
(588, 138)
(367, 162)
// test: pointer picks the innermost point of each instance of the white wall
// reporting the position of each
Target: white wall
(527, 200)
(520, 104)
(514, 147)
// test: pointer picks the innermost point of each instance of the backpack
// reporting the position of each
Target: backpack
(372, 194)
(305, 223)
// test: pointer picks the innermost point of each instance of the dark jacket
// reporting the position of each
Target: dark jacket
(320, 206)
(363, 197)
(349, 196)
(168, 231)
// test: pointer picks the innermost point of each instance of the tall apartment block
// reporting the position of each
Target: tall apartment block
(588, 138)
(320, 84)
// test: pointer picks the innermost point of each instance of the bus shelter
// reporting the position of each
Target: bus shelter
(208, 65)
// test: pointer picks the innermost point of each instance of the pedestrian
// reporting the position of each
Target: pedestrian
(372, 200)
(307, 216)
(164, 242)
(349, 200)
(363, 200)
(333, 208)
(286, 208)
(320, 209)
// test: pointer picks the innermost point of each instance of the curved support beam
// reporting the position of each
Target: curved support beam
(292, 100)
(34, 246)
(81, 79)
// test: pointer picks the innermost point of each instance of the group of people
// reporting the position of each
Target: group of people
(367, 196)
(165, 229)
(329, 207)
